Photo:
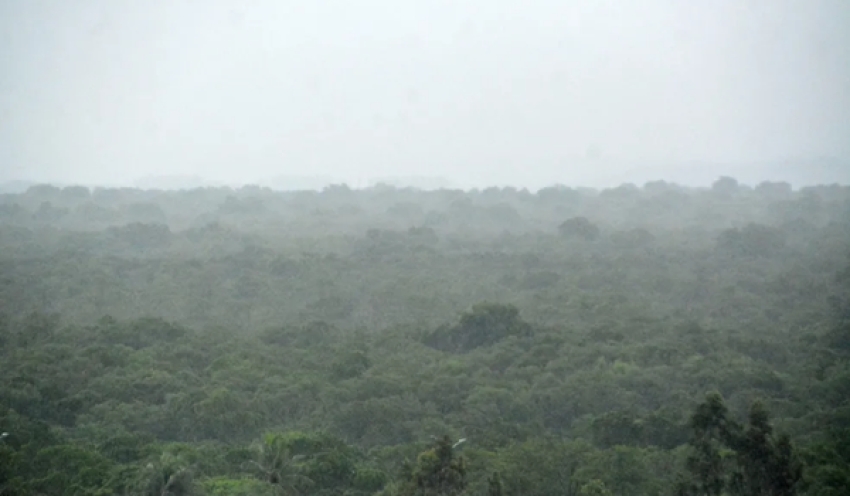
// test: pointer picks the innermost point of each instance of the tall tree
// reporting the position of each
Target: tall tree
(438, 472)
(727, 458)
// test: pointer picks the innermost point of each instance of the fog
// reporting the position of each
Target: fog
(471, 93)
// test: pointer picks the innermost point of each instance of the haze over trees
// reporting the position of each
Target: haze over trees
(323, 248)
(638, 340)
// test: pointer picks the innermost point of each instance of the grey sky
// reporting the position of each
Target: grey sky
(490, 91)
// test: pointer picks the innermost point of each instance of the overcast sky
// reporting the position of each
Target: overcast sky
(490, 91)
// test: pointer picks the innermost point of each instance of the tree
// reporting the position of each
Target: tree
(725, 185)
(727, 458)
(633, 238)
(774, 190)
(278, 464)
(767, 465)
(617, 428)
(580, 228)
(494, 485)
(543, 466)
(222, 486)
(438, 472)
(169, 477)
(349, 364)
(713, 432)
(595, 488)
(753, 240)
(484, 325)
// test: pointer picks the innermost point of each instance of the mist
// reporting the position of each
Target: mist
(463, 94)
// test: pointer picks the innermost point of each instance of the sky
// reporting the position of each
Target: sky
(479, 92)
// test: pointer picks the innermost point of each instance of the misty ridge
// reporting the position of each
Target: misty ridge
(252, 257)
(401, 341)
(596, 173)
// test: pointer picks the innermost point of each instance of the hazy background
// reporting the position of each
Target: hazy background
(478, 92)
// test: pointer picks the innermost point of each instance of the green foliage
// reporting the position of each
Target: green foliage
(752, 240)
(168, 476)
(547, 466)
(828, 465)
(350, 364)
(595, 488)
(579, 228)
(74, 469)
(223, 486)
(247, 341)
(494, 485)
(438, 472)
(484, 325)
(368, 480)
(729, 458)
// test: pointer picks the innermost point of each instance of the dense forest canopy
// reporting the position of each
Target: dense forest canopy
(638, 340)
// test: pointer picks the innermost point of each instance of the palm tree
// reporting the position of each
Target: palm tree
(278, 465)
(168, 478)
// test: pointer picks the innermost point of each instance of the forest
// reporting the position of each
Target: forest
(637, 340)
